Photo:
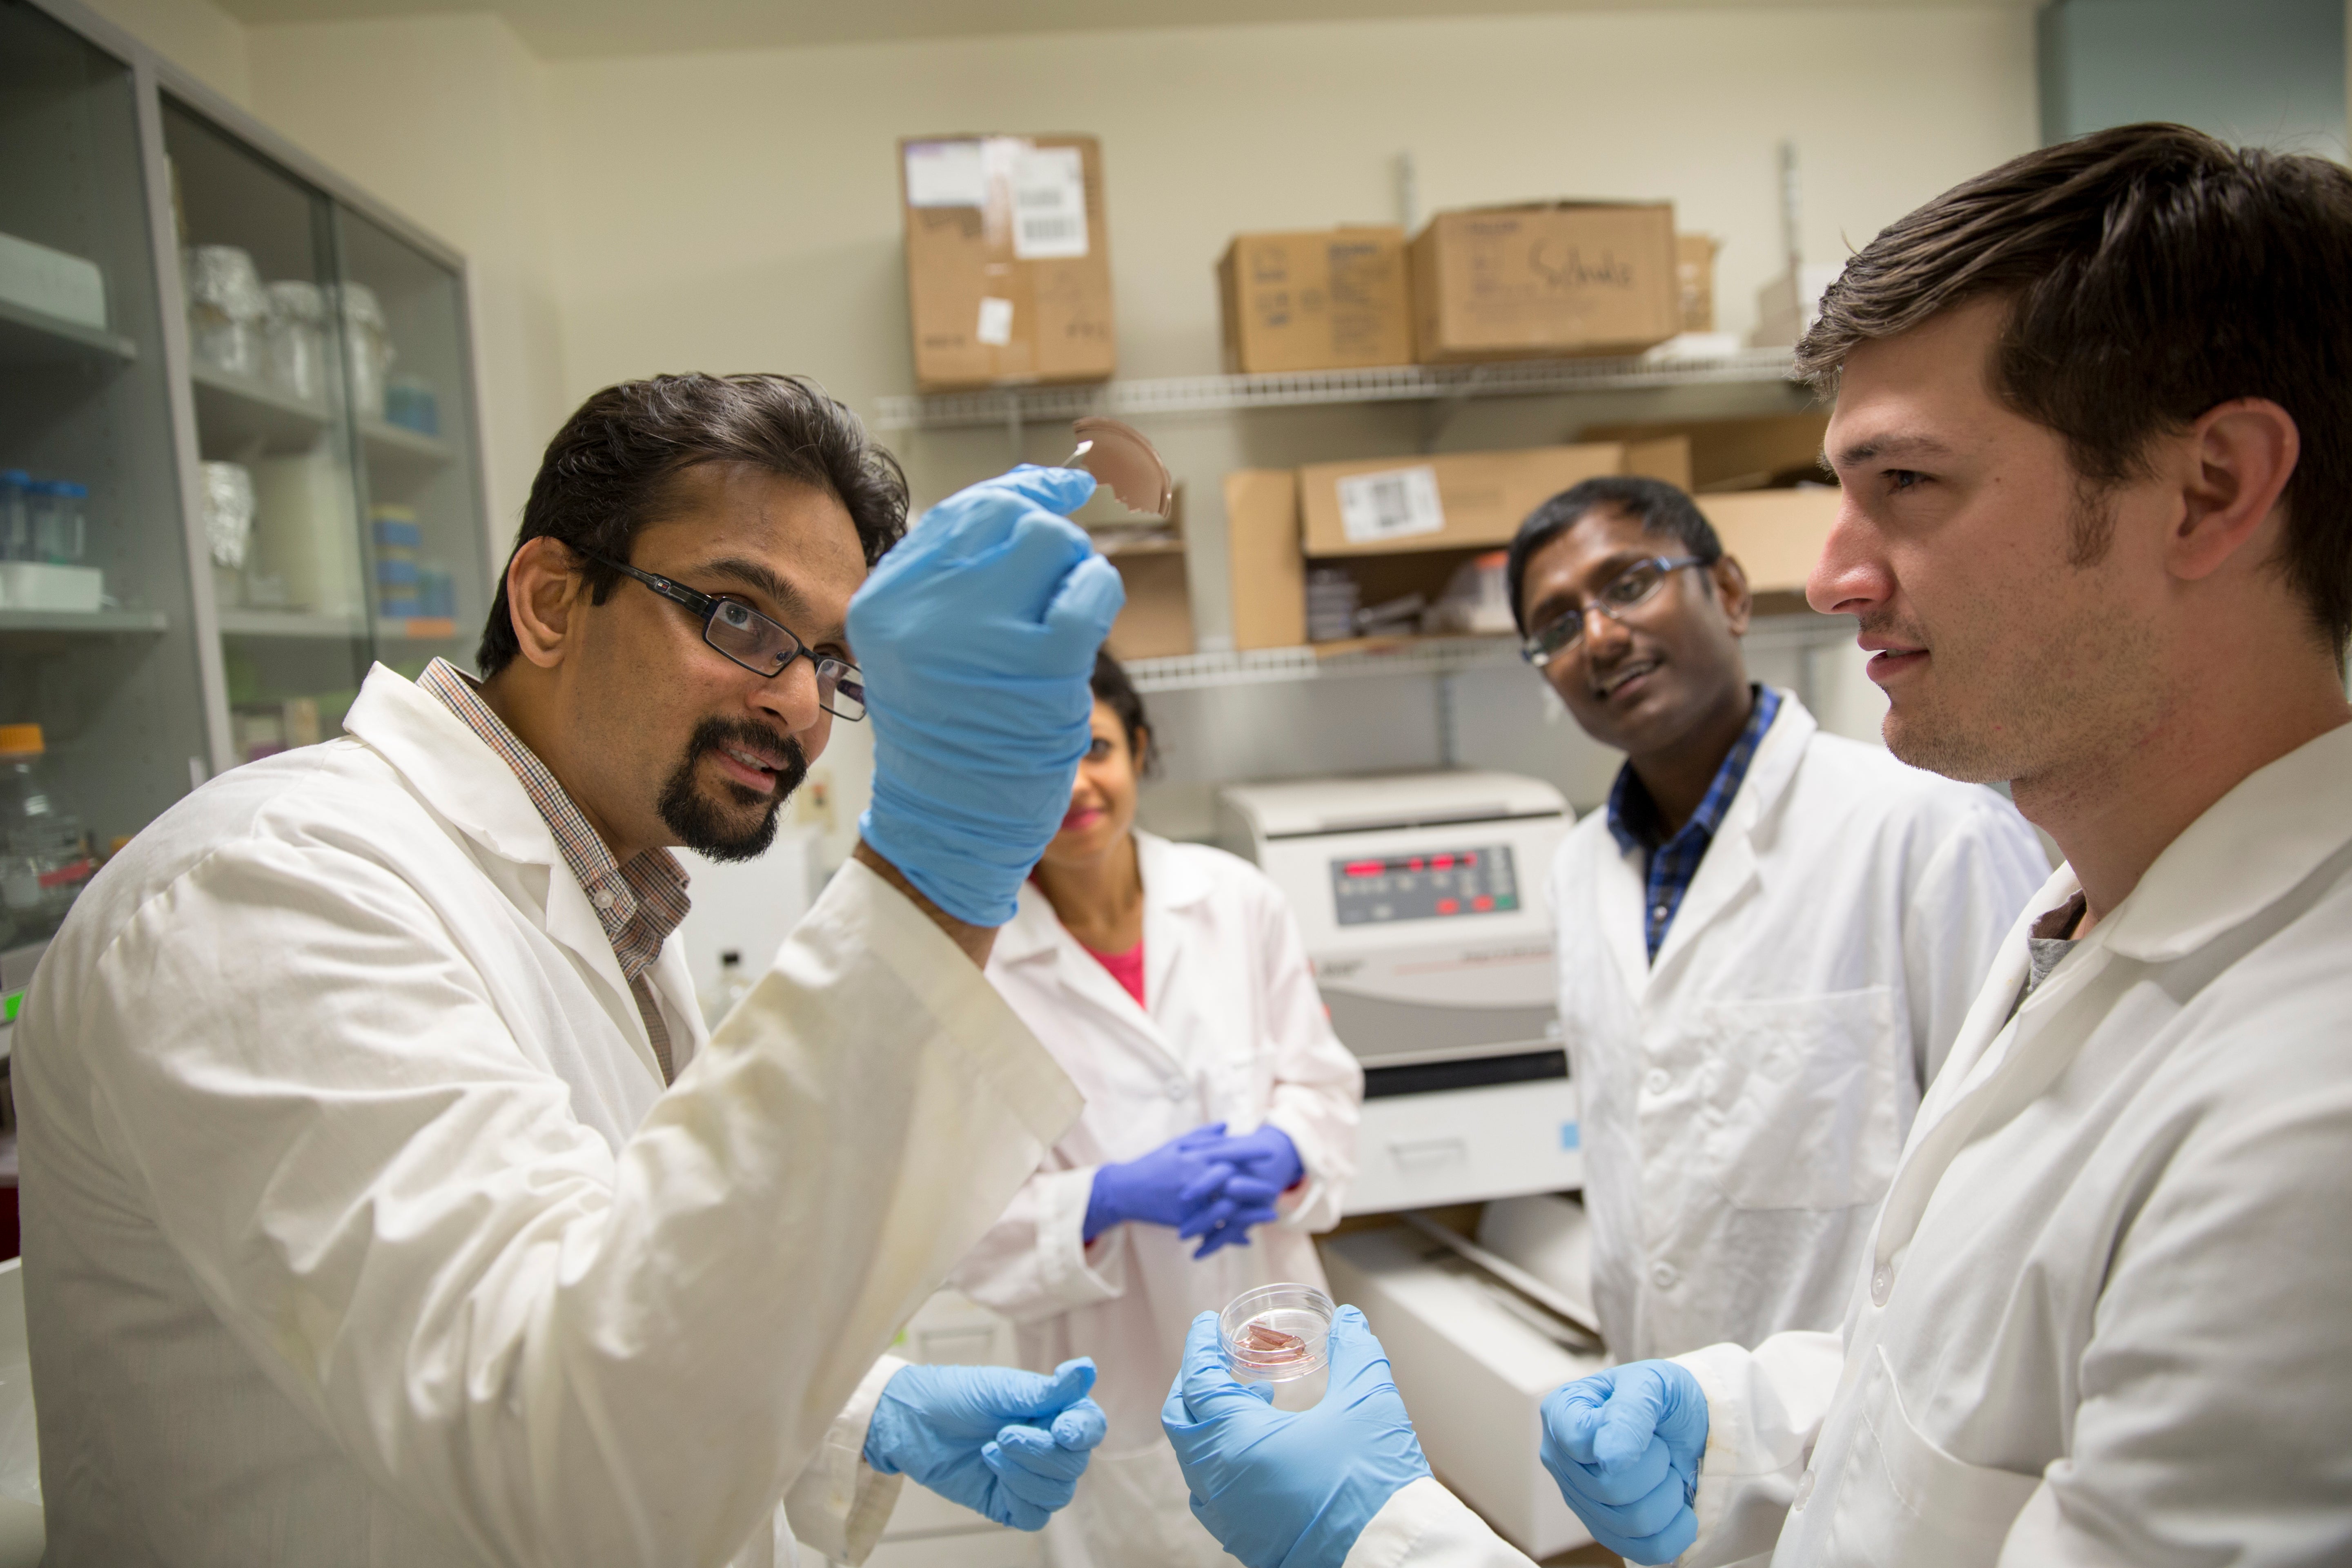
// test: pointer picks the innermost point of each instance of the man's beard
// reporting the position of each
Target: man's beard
(699, 824)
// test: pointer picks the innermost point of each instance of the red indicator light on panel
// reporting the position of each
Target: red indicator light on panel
(1449, 906)
(1470, 858)
(1440, 862)
(1365, 867)
(1414, 863)
(1482, 903)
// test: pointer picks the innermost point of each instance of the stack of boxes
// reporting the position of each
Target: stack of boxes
(1008, 278)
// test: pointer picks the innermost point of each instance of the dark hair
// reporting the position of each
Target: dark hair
(1657, 506)
(608, 473)
(2154, 273)
(1116, 691)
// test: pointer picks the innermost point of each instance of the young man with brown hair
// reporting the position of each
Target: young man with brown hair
(2095, 437)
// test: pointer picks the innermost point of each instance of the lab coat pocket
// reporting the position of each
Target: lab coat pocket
(1904, 1499)
(1801, 1097)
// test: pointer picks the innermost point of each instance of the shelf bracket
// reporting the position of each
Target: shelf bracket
(1012, 427)
(1440, 411)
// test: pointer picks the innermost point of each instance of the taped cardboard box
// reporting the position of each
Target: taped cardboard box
(1451, 501)
(1008, 260)
(1155, 622)
(1553, 280)
(1328, 299)
(1776, 535)
(1773, 451)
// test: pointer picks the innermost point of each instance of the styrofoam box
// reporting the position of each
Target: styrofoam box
(37, 586)
(52, 282)
(1472, 1375)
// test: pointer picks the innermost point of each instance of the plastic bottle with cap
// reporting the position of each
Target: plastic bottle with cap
(45, 856)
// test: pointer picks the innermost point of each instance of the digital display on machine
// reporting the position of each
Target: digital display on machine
(1425, 887)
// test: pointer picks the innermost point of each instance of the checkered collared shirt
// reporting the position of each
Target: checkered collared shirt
(638, 904)
(1634, 822)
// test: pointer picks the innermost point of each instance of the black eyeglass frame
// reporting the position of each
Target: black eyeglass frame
(1540, 647)
(845, 677)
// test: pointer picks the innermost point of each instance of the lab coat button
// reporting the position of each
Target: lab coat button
(1659, 1081)
(1882, 1283)
(1176, 1088)
(1664, 1276)
(1804, 1492)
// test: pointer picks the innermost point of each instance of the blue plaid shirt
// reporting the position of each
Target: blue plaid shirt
(1634, 822)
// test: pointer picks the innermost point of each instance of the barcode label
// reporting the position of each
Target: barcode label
(1049, 203)
(1395, 503)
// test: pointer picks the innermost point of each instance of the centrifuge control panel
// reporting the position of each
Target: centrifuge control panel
(1434, 885)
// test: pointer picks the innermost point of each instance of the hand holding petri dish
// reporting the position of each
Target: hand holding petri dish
(1117, 456)
(1276, 1333)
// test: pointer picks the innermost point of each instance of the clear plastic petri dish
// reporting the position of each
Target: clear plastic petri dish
(1119, 457)
(1276, 1333)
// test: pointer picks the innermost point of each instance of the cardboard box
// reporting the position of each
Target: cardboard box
(1777, 449)
(1694, 280)
(1331, 300)
(1008, 260)
(1776, 535)
(1449, 500)
(1542, 281)
(1266, 571)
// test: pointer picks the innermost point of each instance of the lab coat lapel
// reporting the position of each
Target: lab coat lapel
(1618, 893)
(1040, 938)
(1172, 892)
(471, 788)
(1730, 864)
(2250, 849)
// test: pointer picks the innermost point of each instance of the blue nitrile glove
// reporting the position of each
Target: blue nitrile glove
(1624, 1446)
(1284, 1490)
(1267, 1164)
(1159, 1188)
(1002, 1442)
(976, 638)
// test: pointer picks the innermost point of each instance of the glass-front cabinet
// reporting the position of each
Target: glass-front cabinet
(238, 452)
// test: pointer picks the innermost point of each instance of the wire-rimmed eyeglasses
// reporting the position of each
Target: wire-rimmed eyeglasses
(1638, 583)
(759, 644)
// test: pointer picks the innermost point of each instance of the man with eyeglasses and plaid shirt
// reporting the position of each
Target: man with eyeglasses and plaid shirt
(386, 1201)
(1766, 944)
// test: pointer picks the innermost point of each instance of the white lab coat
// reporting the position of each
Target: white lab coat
(2106, 1317)
(1235, 1032)
(359, 1230)
(1744, 1098)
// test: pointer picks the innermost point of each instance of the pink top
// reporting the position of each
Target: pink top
(1126, 968)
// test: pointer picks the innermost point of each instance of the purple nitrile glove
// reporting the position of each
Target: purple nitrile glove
(1267, 1164)
(1159, 1188)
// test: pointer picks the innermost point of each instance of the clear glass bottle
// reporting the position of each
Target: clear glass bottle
(59, 527)
(733, 983)
(45, 857)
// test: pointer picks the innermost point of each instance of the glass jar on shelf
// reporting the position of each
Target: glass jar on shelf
(228, 311)
(59, 528)
(366, 339)
(298, 340)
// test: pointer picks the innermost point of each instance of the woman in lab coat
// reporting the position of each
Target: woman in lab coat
(1169, 982)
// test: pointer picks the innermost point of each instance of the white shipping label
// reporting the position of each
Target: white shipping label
(995, 326)
(1396, 503)
(946, 174)
(1049, 203)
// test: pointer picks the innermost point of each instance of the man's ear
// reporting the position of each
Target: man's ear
(2241, 455)
(1729, 580)
(544, 592)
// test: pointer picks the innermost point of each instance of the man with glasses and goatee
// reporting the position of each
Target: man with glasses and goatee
(385, 1201)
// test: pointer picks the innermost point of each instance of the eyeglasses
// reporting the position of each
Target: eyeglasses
(759, 644)
(1636, 585)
